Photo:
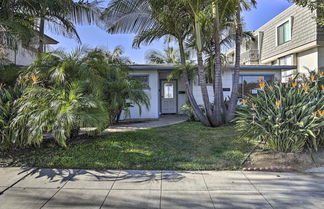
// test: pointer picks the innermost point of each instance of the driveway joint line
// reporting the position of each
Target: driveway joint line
(112, 185)
(58, 190)
(257, 189)
(208, 190)
(160, 205)
(19, 180)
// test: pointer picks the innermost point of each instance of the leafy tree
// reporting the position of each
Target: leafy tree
(313, 5)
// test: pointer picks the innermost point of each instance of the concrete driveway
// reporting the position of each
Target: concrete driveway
(25, 188)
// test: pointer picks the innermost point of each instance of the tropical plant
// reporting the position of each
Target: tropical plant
(200, 20)
(151, 20)
(8, 111)
(169, 55)
(19, 17)
(56, 111)
(288, 117)
(9, 75)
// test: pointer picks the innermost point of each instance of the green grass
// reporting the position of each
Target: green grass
(186, 146)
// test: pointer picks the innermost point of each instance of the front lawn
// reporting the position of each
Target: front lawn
(188, 146)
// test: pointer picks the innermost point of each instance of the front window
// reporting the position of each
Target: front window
(143, 79)
(284, 32)
(249, 84)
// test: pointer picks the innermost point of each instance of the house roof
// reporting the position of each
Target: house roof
(47, 39)
(242, 67)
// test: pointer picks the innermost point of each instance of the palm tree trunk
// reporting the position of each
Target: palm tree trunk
(41, 36)
(198, 112)
(201, 71)
(218, 85)
(234, 95)
(203, 88)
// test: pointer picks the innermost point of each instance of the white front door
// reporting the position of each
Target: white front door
(168, 97)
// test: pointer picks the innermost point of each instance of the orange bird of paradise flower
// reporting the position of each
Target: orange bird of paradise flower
(262, 85)
(244, 101)
(320, 112)
(34, 78)
(313, 78)
(278, 103)
(294, 84)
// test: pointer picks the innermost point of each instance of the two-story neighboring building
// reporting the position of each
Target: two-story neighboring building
(291, 38)
(22, 55)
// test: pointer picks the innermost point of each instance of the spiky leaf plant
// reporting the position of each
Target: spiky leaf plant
(288, 117)
(8, 110)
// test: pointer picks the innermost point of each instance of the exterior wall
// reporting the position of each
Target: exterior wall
(321, 58)
(304, 31)
(307, 61)
(152, 92)
(227, 83)
(21, 56)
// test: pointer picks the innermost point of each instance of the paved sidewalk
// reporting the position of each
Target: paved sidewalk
(166, 120)
(55, 188)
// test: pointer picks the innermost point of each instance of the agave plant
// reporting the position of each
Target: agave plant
(288, 117)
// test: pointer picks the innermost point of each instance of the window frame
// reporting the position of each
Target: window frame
(281, 24)
(241, 80)
(142, 75)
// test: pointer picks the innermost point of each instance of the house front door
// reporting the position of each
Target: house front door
(168, 97)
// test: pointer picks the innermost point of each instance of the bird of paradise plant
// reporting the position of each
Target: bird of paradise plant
(286, 118)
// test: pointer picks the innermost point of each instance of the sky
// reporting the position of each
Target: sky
(92, 36)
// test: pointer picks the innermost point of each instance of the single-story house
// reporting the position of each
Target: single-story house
(168, 96)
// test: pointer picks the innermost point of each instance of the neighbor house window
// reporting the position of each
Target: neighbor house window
(284, 33)
(287, 60)
(249, 84)
(143, 79)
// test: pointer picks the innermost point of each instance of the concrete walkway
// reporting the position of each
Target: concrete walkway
(54, 188)
(163, 121)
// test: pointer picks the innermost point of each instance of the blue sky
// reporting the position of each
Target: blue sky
(92, 36)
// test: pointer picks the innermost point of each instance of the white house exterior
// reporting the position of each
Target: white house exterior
(291, 38)
(167, 97)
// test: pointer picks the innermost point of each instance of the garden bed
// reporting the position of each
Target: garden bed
(300, 161)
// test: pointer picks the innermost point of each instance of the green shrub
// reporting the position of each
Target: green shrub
(9, 75)
(288, 117)
(8, 110)
(56, 112)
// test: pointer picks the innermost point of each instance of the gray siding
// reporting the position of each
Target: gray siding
(304, 30)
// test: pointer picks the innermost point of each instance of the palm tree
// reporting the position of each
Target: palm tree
(63, 15)
(152, 20)
(18, 18)
(240, 5)
(169, 55)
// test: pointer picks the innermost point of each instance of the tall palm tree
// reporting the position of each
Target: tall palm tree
(63, 15)
(169, 55)
(151, 20)
(240, 5)
(18, 17)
